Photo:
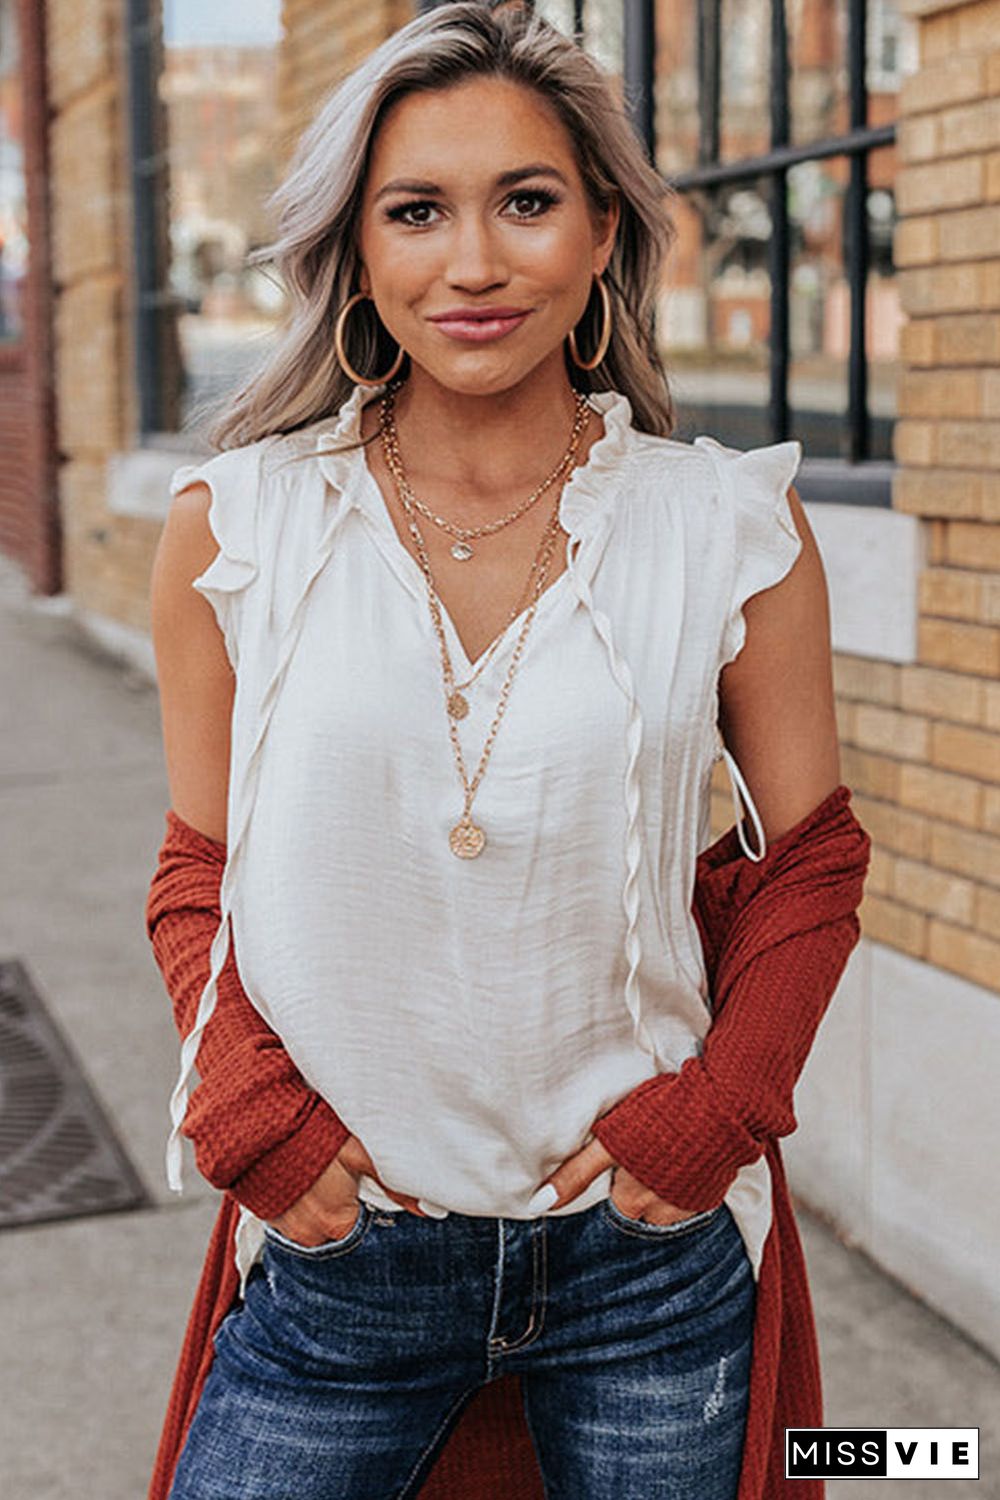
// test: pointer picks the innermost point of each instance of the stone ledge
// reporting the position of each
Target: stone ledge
(921, 8)
(872, 557)
(139, 481)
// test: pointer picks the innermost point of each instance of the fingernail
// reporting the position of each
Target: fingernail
(433, 1210)
(543, 1199)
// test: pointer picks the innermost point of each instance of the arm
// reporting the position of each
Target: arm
(195, 679)
(257, 1129)
(776, 700)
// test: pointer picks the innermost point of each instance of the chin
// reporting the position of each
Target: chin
(481, 375)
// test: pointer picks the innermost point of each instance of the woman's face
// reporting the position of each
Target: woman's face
(474, 201)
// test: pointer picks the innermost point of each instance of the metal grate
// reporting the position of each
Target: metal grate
(59, 1156)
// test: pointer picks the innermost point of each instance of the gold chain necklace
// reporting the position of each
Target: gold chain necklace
(461, 551)
(466, 839)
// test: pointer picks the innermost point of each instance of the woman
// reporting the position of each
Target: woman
(447, 684)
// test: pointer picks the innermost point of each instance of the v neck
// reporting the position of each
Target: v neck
(586, 502)
(412, 574)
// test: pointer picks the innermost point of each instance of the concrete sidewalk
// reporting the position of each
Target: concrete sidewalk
(94, 1308)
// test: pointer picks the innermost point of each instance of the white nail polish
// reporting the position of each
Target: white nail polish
(543, 1199)
(433, 1210)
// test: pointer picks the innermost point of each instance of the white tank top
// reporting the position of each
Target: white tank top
(468, 1019)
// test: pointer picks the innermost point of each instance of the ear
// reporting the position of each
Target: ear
(604, 244)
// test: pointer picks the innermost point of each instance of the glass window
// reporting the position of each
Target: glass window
(218, 87)
(744, 49)
(717, 324)
(13, 198)
(819, 306)
(817, 60)
(781, 316)
(885, 317)
(677, 115)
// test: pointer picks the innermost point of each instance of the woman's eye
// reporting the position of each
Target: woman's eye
(406, 208)
(538, 195)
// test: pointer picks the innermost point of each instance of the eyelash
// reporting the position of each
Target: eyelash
(542, 194)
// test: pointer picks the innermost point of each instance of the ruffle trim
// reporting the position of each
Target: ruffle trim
(766, 541)
(592, 485)
(233, 524)
(585, 495)
(336, 465)
(232, 478)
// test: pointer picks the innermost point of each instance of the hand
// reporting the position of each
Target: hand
(635, 1200)
(329, 1209)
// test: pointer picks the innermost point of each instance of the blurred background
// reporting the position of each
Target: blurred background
(836, 279)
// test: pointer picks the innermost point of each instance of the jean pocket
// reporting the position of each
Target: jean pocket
(326, 1249)
(625, 1224)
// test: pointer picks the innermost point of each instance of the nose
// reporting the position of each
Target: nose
(475, 259)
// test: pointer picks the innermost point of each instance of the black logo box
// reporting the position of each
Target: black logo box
(838, 1452)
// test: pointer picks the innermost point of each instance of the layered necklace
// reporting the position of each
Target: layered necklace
(467, 839)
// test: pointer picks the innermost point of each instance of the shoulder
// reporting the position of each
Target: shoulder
(735, 518)
(217, 483)
(738, 478)
(655, 459)
(209, 537)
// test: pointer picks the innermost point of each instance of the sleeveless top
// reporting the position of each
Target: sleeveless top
(468, 1019)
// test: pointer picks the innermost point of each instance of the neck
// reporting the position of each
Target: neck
(488, 444)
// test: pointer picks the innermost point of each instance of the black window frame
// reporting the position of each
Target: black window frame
(153, 304)
(855, 478)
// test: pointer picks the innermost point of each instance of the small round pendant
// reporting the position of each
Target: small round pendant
(458, 706)
(466, 839)
(461, 551)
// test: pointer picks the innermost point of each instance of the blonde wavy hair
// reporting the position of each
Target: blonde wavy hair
(318, 203)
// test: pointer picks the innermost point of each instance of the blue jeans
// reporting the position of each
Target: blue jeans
(346, 1366)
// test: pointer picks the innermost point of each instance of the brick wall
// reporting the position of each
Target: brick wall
(921, 741)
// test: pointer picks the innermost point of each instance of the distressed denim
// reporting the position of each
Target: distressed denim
(342, 1371)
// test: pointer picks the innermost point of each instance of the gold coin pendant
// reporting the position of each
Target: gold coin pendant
(458, 705)
(466, 839)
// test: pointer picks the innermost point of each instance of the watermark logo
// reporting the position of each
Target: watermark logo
(881, 1452)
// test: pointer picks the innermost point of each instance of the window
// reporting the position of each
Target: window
(204, 135)
(13, 199)
(781, 317)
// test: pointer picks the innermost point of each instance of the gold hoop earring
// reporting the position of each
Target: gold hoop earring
(338, 339)
(602, 347)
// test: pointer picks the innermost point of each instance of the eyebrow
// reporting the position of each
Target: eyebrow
(505, 179)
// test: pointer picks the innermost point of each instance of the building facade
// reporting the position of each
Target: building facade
(892, 377)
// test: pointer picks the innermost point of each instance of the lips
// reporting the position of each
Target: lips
(479, 314)
(480, 326)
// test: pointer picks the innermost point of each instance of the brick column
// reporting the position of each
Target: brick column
(928, 738)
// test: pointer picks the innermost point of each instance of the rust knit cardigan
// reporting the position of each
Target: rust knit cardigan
(776, 936)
